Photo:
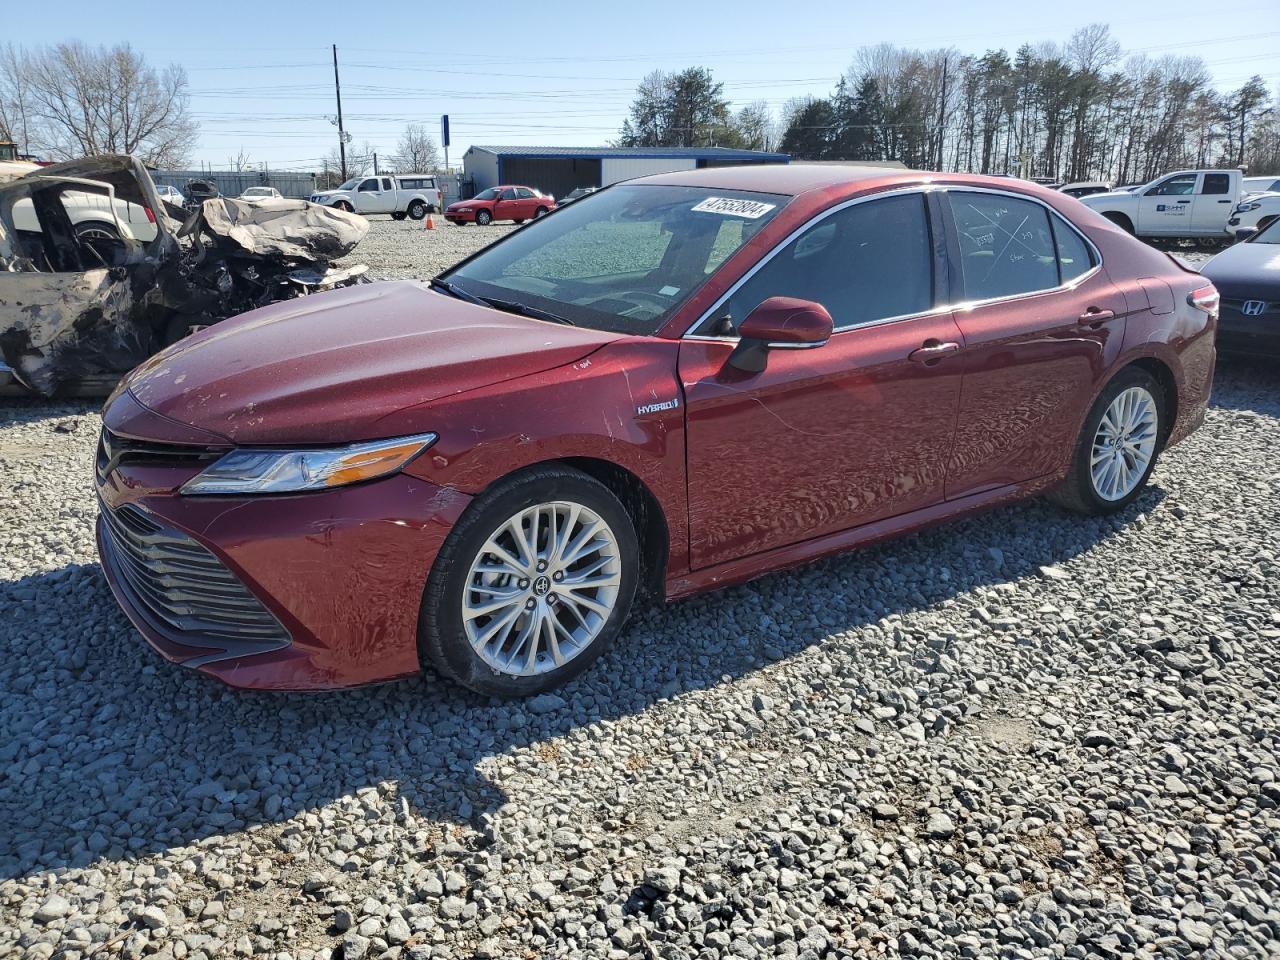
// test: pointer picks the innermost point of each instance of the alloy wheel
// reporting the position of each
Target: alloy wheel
(1124, 444)
(542, 588)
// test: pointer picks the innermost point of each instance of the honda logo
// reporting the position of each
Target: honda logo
(1253, 308)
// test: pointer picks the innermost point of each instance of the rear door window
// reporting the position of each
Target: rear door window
(1074, 256)
(1006, 245)
(1216, 183)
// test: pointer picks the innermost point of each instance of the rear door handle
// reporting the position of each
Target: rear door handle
(932, 351)
(1184, 201)
(1093, 318)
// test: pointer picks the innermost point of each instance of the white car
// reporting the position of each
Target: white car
(1261, 185)
(261, 193)
(170, 194)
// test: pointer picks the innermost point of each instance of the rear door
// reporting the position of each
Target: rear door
(1041, 323)
(1213, 203)
(1166, 208)
(528, 202)
(835, 436)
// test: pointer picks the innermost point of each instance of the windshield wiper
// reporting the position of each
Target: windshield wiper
(456, 291)
(524, 310)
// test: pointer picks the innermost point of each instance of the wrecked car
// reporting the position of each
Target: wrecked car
(97, 273)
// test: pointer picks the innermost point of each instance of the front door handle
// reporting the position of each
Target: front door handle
(932, 351)
(1093, 318)
(1224, 201)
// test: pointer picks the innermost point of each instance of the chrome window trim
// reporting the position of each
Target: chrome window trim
(961, 305)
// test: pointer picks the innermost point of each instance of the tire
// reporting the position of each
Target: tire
(1265, 222)
(1081, 491)
(344, 206)
(397, 216)
(417, 210)
(483, 218)
(1121, 221)
(517, 222)
(512, 667)
(540, 212)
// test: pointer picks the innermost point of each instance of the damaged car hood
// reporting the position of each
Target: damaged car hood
(278, 375)
(294, 229)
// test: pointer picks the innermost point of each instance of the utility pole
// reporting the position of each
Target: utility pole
(342, 135)
(375, 163)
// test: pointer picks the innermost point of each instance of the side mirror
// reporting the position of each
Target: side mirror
(779, 322)
(1244, 233)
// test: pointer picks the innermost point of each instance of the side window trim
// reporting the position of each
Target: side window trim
(930, 221)
(948, 286)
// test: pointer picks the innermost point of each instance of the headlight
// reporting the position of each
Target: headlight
(1246, 207)
(290, 471)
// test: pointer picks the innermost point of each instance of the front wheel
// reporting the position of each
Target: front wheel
(345, 207)
(540, 212)
(532, 585)
(1118, 446)
(484, 218)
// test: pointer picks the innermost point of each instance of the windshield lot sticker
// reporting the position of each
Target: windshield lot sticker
(658, 407)
(729, 207)
(669, 291)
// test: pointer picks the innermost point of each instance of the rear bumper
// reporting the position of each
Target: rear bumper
(341, 571)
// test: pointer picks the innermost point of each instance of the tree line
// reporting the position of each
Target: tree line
(1080, 110)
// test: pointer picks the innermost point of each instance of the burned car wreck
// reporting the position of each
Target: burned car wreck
(97, 272)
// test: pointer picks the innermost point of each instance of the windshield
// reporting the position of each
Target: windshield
(622, 259)
(490, 194)
(257, 192)
(351, 184)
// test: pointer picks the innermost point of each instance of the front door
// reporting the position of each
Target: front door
(1166, 208)
(369, 196)
(835, 436)
(1043, 327)
(507, 206)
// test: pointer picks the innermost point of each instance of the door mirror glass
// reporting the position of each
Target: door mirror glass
(779, 322)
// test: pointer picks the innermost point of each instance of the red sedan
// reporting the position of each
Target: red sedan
(500, 203)
(683, 382)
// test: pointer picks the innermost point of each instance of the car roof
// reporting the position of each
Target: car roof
(795, 179)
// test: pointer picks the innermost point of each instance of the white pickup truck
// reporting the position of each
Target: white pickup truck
(1188, 204)
(412, 195)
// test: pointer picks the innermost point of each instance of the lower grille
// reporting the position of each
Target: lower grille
(184, 590)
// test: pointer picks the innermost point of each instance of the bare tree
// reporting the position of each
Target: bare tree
(238, 160)
(73, 100)
(416, 152)
(15, 97)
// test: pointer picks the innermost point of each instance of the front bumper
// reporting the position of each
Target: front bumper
(460, 216)
(1257, 336)
(340, 571)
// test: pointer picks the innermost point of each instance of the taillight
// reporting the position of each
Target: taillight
(1204, 298)
(151, 217)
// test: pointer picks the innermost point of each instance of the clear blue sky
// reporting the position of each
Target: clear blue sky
(550, 73)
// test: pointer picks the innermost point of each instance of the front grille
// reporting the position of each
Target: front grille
(186, 592)
(116, 451)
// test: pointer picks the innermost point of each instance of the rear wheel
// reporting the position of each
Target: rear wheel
(417, 210)
(1121, 221)
(533, 584)
(1118, 446)
(484, 218)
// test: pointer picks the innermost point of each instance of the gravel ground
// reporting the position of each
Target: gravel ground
(1026, 734)
(403, 249)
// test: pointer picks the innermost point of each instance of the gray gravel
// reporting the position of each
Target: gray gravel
(1022, 735)
(404, 249)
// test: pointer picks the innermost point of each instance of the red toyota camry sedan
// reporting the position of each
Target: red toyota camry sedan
(676, 383)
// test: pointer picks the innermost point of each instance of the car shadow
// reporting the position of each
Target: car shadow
(111, 753)
(1247, 384)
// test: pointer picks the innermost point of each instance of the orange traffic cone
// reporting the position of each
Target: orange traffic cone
(431, 224)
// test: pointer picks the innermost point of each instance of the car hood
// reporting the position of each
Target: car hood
(327, 368)
(1103, 197)
(1247, 269)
